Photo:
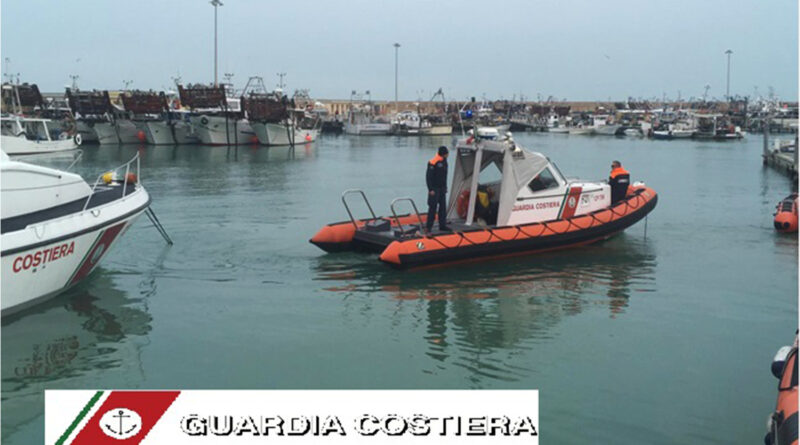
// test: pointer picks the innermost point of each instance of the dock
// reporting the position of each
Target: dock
(782, 156)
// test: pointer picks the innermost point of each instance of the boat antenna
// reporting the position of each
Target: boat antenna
(461, 121)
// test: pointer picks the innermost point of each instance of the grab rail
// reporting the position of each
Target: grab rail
(127, 167)
(397, 220)
(346, 207)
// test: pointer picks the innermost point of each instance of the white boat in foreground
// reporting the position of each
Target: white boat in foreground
(56, 227)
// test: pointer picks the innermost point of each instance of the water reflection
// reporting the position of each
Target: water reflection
(476, 316)
(70, 342)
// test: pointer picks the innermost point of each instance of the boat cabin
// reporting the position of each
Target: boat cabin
(32, 129)
(514, 186)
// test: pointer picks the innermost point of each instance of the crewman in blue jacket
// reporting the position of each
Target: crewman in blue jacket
(436, 179)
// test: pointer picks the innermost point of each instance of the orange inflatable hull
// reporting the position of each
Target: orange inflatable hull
(786, 215)
(481, 244)
(783, 421)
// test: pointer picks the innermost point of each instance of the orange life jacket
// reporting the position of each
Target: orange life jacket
(436, 159)
(619, 171)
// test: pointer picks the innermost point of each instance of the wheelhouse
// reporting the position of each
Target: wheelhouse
(515, 186)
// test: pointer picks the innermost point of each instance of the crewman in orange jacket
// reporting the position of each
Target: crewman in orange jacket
(436, 180)
(619, 181)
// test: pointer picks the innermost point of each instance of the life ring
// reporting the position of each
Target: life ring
(462, 204)
(204, 120)
(77, 138)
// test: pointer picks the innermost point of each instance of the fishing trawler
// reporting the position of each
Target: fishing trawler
(150, 114)
(362, 120)
(94, 116)
(56, 227)
(277, 120)
(216, 118)
(125, 127)
(533, 208)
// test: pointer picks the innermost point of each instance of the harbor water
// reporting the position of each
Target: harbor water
(661, 335)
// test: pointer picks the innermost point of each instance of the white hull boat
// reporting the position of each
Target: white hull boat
(581, 130)
(633, 132)
(682, 134)
(278, 134)
(56, 228)
(374, 129)
(606, 130)
(24, 136)
(219, 130)
(21, 146)
(558, 130)
(127, 133)
(156, 132)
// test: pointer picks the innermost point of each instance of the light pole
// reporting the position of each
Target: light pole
(396, 49)
(280, 80)
(215, 3)
(728, 86)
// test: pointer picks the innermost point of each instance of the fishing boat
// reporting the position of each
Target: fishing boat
(23, 136)
(125, 127)
(22, 132)
(603, 125)
(782, 423)
(633, 132)
(93, 112)
(151, 116)
(56, 227)
(533, 208)
(216, 118)
(406, 123)
(362, 121)
(715, 126)
(435, 126)
(297, 129)
(786, 215)
(581, 129)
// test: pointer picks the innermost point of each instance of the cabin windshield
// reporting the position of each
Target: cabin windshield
(543, 181)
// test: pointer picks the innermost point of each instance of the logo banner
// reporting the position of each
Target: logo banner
(291, 417)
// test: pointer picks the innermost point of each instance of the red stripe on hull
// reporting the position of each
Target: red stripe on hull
(572, 202)
(100, 248)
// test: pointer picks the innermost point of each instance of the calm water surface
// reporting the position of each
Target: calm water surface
(662, 339)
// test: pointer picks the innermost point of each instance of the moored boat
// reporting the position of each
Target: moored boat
(532, 209)
(23, 132)
(782, 423)
(786, 215)
(56, 227)
(362, 121)
(216, 119)
(151, 116)
(22, 136)
(93, 112)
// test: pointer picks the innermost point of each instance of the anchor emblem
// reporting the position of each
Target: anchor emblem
(121, 423)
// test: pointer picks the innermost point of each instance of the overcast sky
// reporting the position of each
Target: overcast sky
(578, 50)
